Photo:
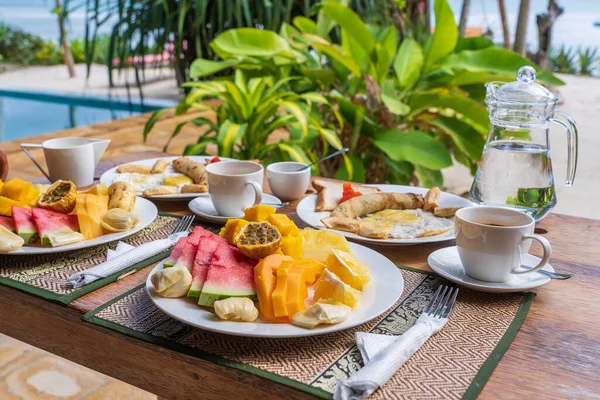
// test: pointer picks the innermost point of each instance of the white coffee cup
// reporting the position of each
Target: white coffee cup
(286, 181)
(70, 159)
(492, 240)
(234, 186)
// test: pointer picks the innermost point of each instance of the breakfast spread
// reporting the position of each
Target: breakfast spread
(370, 213)
(263, 265)
(183, 175)
(58, 215)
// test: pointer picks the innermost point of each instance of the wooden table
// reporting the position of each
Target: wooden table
(555, 355)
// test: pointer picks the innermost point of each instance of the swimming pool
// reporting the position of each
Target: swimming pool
(29, 113)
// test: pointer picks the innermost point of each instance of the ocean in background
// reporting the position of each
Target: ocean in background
(574, 28)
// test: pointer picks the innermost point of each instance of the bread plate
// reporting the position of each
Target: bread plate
(378, 296)
(111, 175)
(306, 212)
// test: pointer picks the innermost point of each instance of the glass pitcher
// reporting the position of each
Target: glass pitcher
(515, 168)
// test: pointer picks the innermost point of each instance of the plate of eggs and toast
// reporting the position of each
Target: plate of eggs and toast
(382, 214)
(164, 178)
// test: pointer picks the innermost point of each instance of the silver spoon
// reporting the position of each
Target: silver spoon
(552, 275)
(277, 205)
(337, 153)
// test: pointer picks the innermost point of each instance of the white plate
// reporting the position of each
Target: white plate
(446, 262)
(306, 212)
(109, 176)
(205, 210)
(381, 293)
(144, 208)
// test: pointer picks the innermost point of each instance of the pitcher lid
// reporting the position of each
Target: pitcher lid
(525, 90)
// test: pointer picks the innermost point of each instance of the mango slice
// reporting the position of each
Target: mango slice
(16, 189)
(258, 213)
(285, 225)
(231, 229)
(6, 205)
(292, 246)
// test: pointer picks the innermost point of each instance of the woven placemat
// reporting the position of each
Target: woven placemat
(46, 275)
(454, 363)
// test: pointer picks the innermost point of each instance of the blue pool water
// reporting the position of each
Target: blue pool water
(24, 114)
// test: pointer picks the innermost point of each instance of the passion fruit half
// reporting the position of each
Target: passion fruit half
(257, 240)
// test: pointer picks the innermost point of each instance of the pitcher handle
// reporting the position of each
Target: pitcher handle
(572, 143)
(24, 147)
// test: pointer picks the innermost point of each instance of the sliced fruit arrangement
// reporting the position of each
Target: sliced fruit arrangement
(262, 232)
(304, 277)
(57, 215)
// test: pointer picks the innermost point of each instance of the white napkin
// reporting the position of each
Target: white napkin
(383, 355)
(124, 260)
(121, 248)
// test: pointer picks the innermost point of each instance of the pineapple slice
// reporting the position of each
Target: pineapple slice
(318, 245)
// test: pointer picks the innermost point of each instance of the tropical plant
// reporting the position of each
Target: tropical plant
(250, 114)
(408, 109)
(188, 26)
(563, 60)
(588, 60)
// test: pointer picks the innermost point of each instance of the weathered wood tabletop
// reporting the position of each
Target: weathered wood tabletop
(555, 355)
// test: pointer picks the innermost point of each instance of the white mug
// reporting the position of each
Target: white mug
(492, 240)
(286, 181)
(70, 159)
(234, 186)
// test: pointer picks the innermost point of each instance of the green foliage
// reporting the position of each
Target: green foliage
(588, 60)
(186, 27)
(568, 60)
(19, 47)
(407, 108)
(250, 116)
(563, 60)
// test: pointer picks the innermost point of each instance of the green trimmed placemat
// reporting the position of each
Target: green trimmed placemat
(46, 275)
(455, 363)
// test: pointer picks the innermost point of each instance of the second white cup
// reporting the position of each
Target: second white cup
(234, 186)
(286, 181)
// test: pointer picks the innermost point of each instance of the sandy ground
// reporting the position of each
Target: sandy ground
(581, 99)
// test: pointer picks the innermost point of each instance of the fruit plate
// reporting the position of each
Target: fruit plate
(381, 293)
(110, 176)
(144, 208)
(306, 212)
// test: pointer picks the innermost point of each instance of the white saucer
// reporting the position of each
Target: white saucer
(446, 262)
(204, 209)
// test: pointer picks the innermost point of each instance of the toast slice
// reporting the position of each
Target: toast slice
(330, 193)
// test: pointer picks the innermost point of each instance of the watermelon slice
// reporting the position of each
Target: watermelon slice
(175, 253)
(206, 249)
(8, 223)
(229, 275)
(188, 252)
(50, 221)
(24, 225)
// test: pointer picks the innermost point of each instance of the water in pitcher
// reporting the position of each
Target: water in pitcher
(516, 174)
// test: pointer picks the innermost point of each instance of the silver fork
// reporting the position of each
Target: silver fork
(441, 306)
(384, 364)
(184, 224)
